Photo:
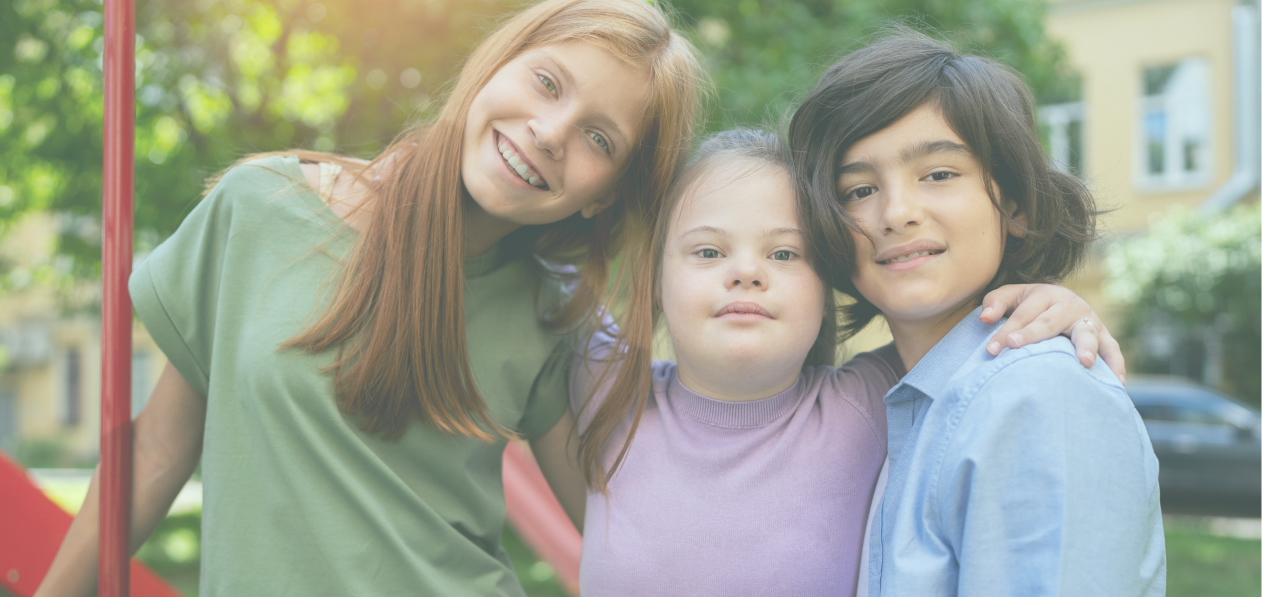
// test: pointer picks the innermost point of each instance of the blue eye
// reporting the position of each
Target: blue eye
(600, 140)
(782, 255)
(708, 254)
(547, 84)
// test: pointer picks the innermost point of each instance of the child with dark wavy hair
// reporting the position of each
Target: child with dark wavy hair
(924, 185)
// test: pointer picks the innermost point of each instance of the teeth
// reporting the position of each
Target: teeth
(908, 257)
(517, 165)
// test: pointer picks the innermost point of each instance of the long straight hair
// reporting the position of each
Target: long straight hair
(397, 310)
(631, 366)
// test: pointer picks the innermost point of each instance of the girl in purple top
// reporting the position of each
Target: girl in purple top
(753, 461)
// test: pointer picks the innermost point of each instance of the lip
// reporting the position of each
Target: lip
(915, 246)
(743, 310)
(499, 137)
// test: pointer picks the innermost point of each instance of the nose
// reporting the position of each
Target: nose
(901, 208)
(549, 134)
(746, 272)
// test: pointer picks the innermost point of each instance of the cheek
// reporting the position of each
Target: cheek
(810, 304)
(672, 292)
(862, 254)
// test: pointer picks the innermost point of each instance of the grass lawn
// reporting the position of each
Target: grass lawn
(1203, 565)
(1200, 561)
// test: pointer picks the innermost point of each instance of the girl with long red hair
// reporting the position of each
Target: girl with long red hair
(352, 343)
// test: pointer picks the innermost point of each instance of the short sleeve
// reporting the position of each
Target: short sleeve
(863, 381)
(548, 394)
(174, 290)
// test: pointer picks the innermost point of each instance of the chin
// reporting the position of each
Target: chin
(908, 311)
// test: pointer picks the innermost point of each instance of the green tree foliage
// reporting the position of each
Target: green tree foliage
(1199, 279)
(215, 80)
(218, 79)
(766, 55)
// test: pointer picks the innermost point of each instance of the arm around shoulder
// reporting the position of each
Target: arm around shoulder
(1048, 486)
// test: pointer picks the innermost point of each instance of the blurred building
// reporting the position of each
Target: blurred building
(50, 357)
(1168, 116)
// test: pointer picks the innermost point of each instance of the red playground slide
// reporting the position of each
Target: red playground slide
(31, 528)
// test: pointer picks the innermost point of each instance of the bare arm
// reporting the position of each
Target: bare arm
(167, 444)
(556, 451)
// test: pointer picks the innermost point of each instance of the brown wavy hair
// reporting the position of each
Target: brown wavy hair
(631, 368)
(397, 309)
(992, 110)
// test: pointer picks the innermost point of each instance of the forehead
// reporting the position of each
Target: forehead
(739, 194)
(921, 129)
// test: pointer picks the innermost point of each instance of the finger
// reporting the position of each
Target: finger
(1000, 301)
(1026, 328)
(1111, 352)
(1086, 339)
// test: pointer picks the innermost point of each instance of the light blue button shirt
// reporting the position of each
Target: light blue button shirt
(1023, 474)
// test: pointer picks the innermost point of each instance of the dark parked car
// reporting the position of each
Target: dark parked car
(1209, 446)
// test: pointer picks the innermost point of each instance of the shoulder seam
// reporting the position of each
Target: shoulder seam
(867, 418)
(956, 417)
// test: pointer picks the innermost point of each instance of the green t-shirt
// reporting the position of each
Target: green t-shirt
(298, 500)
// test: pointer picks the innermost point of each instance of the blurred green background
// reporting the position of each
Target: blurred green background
(219, 79)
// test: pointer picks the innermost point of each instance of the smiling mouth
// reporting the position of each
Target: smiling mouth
(909, 257)
(519, 166)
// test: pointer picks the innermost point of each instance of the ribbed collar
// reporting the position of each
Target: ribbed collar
(734, 415)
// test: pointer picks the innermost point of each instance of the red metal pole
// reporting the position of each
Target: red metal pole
(116, 256)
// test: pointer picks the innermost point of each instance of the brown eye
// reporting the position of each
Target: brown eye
(859, 193)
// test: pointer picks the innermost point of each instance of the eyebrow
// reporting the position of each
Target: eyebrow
(714, 230)
(601, 118)
(921, 150)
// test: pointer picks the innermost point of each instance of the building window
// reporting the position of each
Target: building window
(72, 404)
(1061, 126)
(1174, 126)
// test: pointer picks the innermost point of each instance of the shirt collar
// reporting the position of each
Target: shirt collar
(955, 353)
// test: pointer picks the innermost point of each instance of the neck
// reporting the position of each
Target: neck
(731, 386)
(481, 229)
(914, 338)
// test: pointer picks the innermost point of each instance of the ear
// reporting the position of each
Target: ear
(591, 209)
(1017, 214)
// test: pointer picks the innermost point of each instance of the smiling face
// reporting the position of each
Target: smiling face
(937, 239)
(741, 302)
(550, 132)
